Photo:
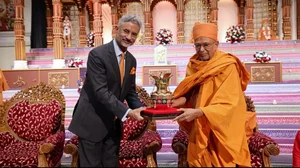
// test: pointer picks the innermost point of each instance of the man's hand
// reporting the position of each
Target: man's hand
(179, 102)
(188, 114)
(136, 114)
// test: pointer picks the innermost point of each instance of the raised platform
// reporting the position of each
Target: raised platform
(286, 52)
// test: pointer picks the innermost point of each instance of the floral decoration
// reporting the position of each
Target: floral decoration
(80, 82)
(90, 39)
(235, 34)
(261, 57)
(164, 37)
(75, 62)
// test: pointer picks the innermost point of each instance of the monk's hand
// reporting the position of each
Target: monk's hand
(179, 102)
(188, 114)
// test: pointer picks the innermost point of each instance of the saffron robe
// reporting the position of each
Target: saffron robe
(217, 138)
(3, 86)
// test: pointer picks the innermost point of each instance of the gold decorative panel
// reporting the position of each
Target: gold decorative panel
(263, 74)
(58, 79)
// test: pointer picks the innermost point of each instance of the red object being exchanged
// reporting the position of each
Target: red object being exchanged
(161, 112)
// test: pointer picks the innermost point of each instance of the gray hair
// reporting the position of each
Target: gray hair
(130, 18)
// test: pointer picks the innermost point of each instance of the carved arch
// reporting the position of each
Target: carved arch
(154, 2)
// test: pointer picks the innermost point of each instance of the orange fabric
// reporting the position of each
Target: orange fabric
(250, 123)
(3, 86)
(204, 30)
(221, 130)
(121, 66)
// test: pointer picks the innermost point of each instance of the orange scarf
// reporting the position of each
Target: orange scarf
(198, 72)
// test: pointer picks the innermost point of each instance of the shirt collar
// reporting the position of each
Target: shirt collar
(118, 51)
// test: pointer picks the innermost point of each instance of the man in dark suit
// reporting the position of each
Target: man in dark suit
(100, 111)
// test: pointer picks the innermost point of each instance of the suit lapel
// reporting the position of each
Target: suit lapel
(114, 60)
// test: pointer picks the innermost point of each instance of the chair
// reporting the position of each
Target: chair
(261, 146)
(296, 151)
(32, 128)
(139, 142)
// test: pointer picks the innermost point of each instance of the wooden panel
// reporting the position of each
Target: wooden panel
(265, 72)
(18, 79)
(157, 69)
(60, 77)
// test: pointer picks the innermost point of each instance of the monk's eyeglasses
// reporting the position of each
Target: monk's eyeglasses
(204, 45)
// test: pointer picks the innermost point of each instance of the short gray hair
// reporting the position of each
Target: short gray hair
(130, 18)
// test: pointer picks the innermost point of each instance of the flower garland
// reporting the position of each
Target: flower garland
(75, 62)
(164, 37)
(261, 57)
(90, 39)
(80, 82)
(268, 37)
(235, 34)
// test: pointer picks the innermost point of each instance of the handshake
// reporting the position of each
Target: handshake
(136, 113)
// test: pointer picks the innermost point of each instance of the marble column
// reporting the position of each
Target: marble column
(19, 28)
(294, 19)
(279, 19)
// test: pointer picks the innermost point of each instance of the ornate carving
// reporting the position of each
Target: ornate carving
(20, 82)
(97, 22)
(143, 95)
(58, 79)
(2, 114)
(156, 72)
(37, 93)
(58, 46)
(263, 74)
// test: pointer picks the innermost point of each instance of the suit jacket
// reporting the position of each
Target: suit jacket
(102, 96)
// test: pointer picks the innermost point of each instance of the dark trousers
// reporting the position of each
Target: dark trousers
(100, 154)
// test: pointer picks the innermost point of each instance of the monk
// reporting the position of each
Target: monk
(3, 86)
(213, 104)
(265, 32)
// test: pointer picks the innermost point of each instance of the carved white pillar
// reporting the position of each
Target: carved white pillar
(279, 19)
(294, 19)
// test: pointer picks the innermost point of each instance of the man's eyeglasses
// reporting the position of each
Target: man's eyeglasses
(204, 45)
